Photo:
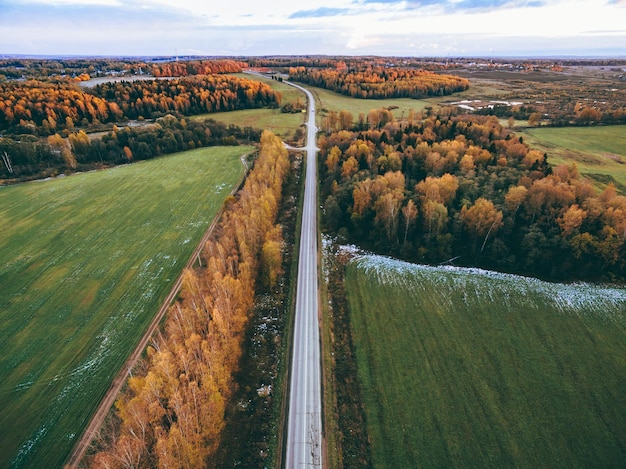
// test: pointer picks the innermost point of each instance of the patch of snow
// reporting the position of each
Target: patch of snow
(27, 447)
(265, 390)
(507, 103)
(220, 187)
(580, 299)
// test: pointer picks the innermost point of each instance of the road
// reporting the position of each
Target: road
(304, 428)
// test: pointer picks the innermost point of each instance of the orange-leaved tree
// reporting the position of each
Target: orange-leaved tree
(172, 414)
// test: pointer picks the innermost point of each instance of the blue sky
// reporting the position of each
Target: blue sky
(351, 27)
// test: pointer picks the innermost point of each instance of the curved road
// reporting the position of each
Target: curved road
(304, 430)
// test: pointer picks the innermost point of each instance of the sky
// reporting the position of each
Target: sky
(419, 28)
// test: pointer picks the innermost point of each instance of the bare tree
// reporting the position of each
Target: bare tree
(7, 162)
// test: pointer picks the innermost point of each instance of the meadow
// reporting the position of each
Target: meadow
(85, 262)
(281, 124)
(285, 124)
(469, 368)
(599, 152)
(331, 101)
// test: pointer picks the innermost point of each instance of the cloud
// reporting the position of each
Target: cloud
(248, 27)
(319, 13)
(95, 12)
(73, 2)
(89, 29)
(452, 6)
(493, 4)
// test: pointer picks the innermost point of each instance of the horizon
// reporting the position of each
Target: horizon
(7, 56)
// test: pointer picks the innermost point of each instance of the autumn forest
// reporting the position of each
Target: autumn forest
(422, 176)
(465, 190)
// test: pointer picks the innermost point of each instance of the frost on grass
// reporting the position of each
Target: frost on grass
(447, 285)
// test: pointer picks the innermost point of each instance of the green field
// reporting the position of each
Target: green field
(281, 124)
(284, 125)
(599, 152)
(467, 368)
(331, 101)
(326, 101)
(85, 262)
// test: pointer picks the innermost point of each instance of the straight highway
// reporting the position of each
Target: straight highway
(304, 428)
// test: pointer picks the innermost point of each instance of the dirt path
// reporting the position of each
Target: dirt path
(109, 398)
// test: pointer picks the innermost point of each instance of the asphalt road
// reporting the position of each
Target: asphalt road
(304, 429)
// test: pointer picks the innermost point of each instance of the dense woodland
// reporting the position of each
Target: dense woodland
(187, 96)
(44, 124)
(466, 191)
(172, 412)
(196, 67)
(380, 82)
(44, 108)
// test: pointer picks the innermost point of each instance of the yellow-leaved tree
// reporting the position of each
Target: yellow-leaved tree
(172, 414)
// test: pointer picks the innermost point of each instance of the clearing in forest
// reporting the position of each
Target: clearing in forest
(599, 151)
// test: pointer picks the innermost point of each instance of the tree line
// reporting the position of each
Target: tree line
(44, 108)
(172, 412)
(464, 190)
(187, 96)
(196, 67)
(33, 158)
(560, 114)
(43, 69)
(381, 82)
(283, 63)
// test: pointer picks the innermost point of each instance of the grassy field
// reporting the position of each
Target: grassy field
(85, 262)
(599, 152)
(467, 368)
(326, 101)
(281, 124)
(331, 101)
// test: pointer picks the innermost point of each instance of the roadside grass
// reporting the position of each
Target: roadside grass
(329, 404)
(85, 262)
(467, 368)
(599, 152)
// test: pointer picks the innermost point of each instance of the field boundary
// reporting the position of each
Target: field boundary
(107, 401)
